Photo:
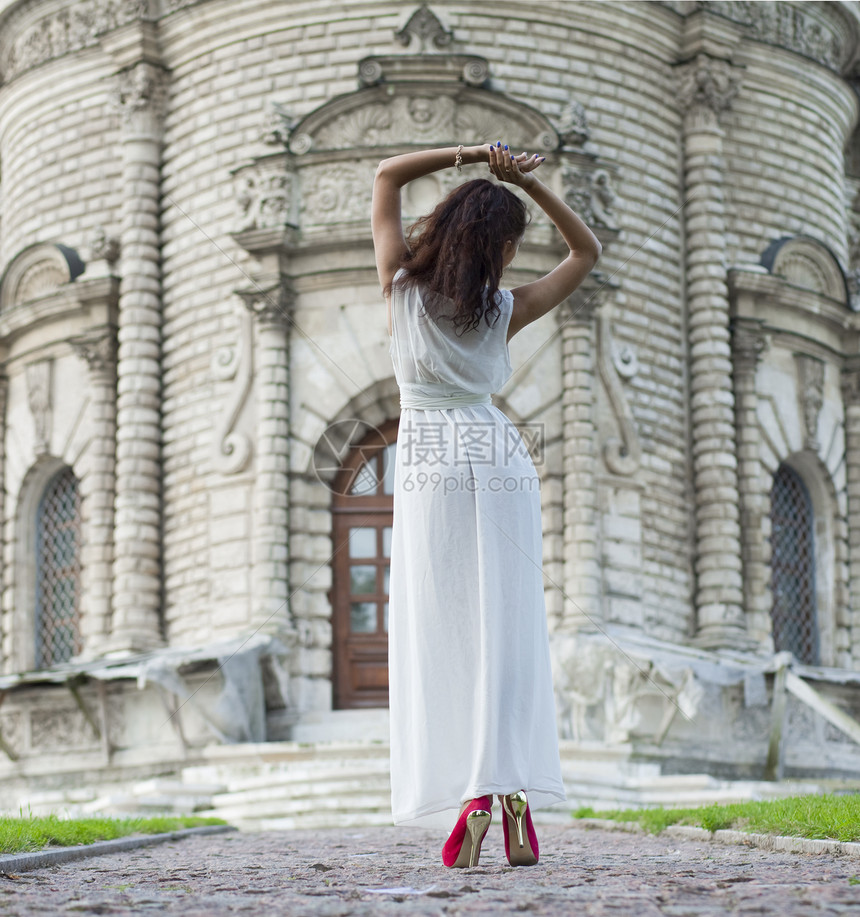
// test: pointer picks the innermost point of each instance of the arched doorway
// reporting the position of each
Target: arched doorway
(362, 514)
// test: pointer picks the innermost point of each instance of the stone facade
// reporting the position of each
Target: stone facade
(188, 305)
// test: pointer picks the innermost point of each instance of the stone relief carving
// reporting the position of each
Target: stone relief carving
(337, 193)
(590, 194)
(748, 344)
(266, 196)
(96, 348)
(71, 29)
(810, 388)
(373, 119)
(12, 733)
(39, 397)
(103, 246)
(39, 280)
(141, 90)
(706, 82)
(232, 449)
(279, 125)
(573, 125)
(425, 27)
(805, 262)
(51, 729)
(622, 456)
(39, 271)
(799, 28)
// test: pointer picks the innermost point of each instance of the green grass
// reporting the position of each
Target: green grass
(30, 832)
(829, 817)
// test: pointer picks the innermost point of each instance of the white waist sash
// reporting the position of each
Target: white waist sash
(437, 396)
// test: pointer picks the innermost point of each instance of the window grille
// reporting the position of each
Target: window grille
(793, 614)
(58, 569)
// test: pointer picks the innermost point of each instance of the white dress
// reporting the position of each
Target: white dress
(470, 684)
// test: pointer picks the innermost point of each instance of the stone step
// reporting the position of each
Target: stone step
(265, 794)
(341, 804)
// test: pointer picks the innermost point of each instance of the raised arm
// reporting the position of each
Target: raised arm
(391, 175)
(535, 299)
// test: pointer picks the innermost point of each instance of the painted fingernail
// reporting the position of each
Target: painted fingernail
(506, 146)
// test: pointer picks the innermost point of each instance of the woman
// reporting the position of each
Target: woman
(472, 705)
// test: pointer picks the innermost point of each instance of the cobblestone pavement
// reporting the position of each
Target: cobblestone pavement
(378, 871)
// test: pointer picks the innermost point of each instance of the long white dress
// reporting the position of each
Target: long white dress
(471, 697)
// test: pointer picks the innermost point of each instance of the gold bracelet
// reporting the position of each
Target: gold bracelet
(458, 159)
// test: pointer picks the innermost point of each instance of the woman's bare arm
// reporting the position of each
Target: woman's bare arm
(535, 299)
(391, 175)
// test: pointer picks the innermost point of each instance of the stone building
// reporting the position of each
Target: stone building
(199, 412)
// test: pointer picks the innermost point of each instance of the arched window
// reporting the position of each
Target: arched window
(793, 614)
(58, 569)
(362, 513)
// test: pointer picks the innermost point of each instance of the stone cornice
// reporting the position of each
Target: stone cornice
(824, 32)
(31, 36)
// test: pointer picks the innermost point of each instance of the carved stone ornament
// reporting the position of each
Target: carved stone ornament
(270, 305)
(141, 95)
(394, 115)
(707, 82)
(850, 384)
(810, 388)
(424, 68)
(802, 27)
(622, 456)
(573, 125)
(40, 398)
(97, 348)
(62, 31)
(806, 263)
(102, 246)
(337, 193)
(590, 194)
(425, 27)
(266, 194)
(235, 362)
(38, 271)
(279, 125)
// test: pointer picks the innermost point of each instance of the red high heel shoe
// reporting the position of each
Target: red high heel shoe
(515, 810)
(463, 847)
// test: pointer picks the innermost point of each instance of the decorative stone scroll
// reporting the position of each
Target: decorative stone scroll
(232, 449)
(424, 26)
(622, 455)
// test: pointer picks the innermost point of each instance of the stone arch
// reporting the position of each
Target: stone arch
(38, 271)
(807, 263)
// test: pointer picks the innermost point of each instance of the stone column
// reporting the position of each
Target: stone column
(269, 556)
(748, 344)
(7, 557)
(851, 404)
(137, 570)
(582, 585)
(98, 490)
(707, 87)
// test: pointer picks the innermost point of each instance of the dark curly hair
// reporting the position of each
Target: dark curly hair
(455, 254)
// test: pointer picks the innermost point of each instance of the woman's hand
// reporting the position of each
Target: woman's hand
(516, 170)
